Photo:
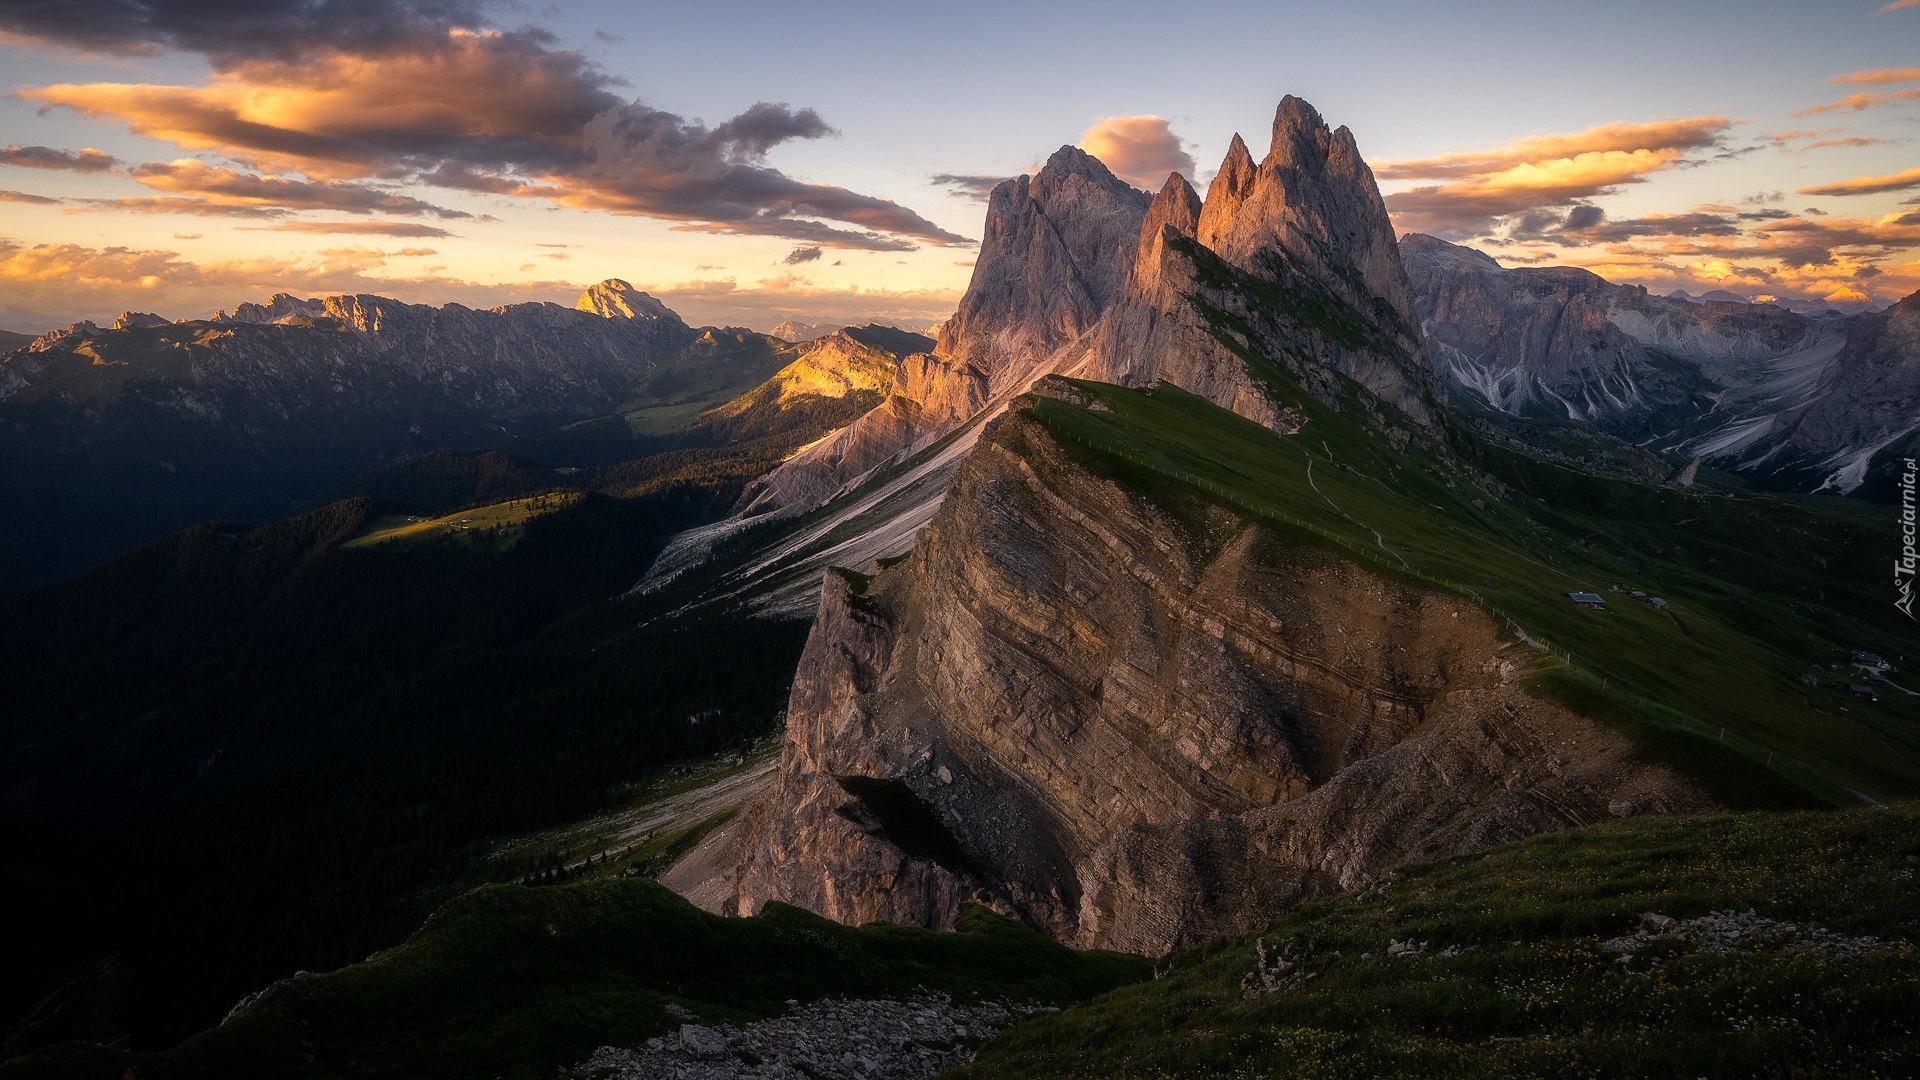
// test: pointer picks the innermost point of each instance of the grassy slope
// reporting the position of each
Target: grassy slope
(1759, 587)
(515, 982)
(497, 524)
(1538, 996)
(675, 394)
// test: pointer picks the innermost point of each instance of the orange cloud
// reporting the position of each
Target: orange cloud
(501, 113)
(1141, 150)
(175, 205)
(24, 197)
(48, 285)
(1859, 102)
(343, 115)
(362, 228)
(1782, 138)
(1868, 185)
(1877, 77)
(1897, 5)
(723, 302)
(1850, 143)
(1526, 176)
(1697, 133)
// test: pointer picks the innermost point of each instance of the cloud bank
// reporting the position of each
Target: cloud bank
(378, 94)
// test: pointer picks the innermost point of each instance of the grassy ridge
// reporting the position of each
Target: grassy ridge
(497, 525)
(516, 982)
(1537, 995)
(1759, 588)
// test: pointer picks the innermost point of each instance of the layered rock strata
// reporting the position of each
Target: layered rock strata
(1138, 733)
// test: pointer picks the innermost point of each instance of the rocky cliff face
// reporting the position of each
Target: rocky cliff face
(1793, 401)
(1057, 251)
(1140, 733)
(1289, 264)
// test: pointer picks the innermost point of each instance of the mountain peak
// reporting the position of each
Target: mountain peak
(1072, 167)
(615, 299)
(1312, 202)
(1175, 208)
(1296, 122)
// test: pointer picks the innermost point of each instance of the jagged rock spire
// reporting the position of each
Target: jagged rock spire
(1057, 250)
(1314, 199)
(1175, 211)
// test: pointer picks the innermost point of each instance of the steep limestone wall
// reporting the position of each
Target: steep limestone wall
(1136, 730)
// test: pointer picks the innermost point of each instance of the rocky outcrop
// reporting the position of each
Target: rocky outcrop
(1563, 343)
(796, 331)
(1791, 400)
(1136, 731)
(1057, 252)
(1314, 199)
(1289, 267)
(1290, 262)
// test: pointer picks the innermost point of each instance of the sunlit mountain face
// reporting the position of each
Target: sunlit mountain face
(760, 165)
(476, 472)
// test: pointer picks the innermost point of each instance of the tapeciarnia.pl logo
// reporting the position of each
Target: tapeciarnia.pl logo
(1903, 567)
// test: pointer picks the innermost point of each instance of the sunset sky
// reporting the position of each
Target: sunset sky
(750, 162)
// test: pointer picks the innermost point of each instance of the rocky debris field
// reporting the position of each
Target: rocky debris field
(826, 1040)
(1725, 932)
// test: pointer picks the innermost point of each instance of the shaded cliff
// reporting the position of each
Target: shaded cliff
(1142, 727)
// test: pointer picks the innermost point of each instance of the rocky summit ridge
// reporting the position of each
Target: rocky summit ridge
(1056, 707)
(1138, 728)
(1056, 253)
(1081, 274)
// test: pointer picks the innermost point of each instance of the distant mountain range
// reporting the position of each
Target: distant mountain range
(110, 436)
(1794, 402)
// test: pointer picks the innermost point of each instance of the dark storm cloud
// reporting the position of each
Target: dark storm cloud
(651, 162)
(231, 31)
(1584, 217)
(802, 255)
(1694, 224)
